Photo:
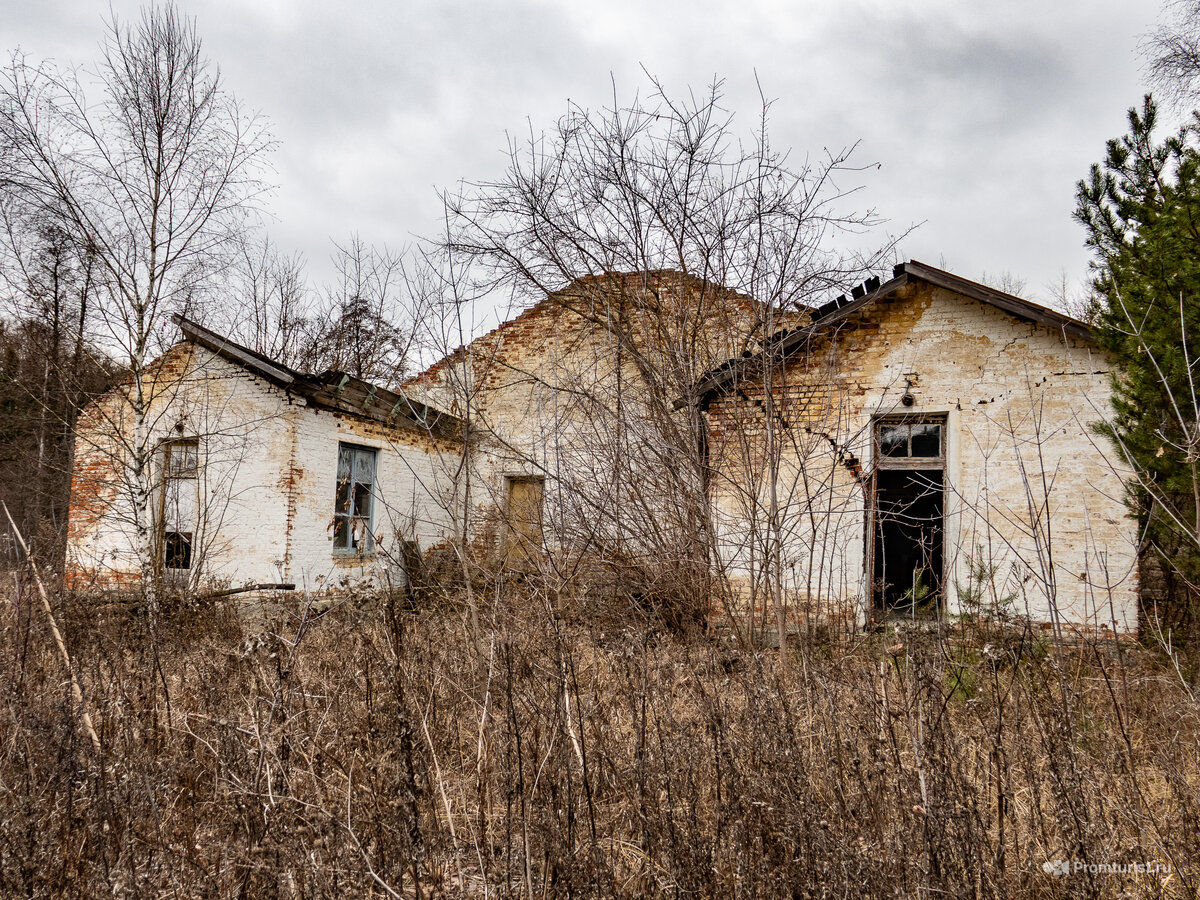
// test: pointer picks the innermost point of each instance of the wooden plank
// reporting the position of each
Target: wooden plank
(234, 352)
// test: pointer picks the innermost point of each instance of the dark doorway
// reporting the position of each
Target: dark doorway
(908, 541)
(906, 531)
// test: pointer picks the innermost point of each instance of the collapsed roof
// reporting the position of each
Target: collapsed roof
(331, 390)
(824, 317)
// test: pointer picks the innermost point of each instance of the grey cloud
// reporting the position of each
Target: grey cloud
(981, 117)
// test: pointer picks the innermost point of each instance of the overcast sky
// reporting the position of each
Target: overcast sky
(981, 116)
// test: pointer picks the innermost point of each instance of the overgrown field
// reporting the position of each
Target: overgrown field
(369, 751)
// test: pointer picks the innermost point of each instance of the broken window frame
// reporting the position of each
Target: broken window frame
(177, 550)
(352, 526)
(180, 463)
(909, 461)
(892, 462)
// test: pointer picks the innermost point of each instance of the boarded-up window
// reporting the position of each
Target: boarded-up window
(352, 499)
(180, 501)
(523, 517)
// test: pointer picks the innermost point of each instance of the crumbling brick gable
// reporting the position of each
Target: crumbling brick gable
(1020, 400)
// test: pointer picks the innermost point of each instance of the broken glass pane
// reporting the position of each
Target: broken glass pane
(364, 466)
(182, 459)
(177, 549)
(893, 440)
(360, 536)
(352, 498)
(362, 499)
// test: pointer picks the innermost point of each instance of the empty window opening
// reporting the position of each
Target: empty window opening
(177, 549)
(523, 517)
(180, 502)
(907, 518)
(353, 500)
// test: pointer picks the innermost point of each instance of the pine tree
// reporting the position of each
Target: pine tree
(1141, 209)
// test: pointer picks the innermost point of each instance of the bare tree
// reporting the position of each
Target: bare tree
(1172, 53)
(676, 242)
(50, 369)
(272, 303)
(1005, 281)
(153, 180)
(366, 325)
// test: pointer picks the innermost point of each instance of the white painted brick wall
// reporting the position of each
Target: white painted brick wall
(265, 461)
(1021, 403)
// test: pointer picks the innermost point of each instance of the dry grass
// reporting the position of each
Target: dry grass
(369, 751)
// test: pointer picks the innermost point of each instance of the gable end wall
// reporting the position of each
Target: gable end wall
(1034, 493)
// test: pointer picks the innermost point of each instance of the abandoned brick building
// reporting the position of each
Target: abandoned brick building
(925, 446)
(572, 405)
(263, 475)
(929, 443)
